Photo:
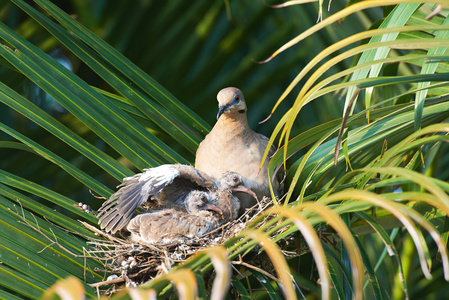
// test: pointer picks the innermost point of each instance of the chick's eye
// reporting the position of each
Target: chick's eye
(235, 179)
(203, 198)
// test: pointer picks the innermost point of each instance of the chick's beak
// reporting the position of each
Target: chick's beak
(244, 189)
(210, 206)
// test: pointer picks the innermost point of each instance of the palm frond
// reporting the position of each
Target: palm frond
(343, 209)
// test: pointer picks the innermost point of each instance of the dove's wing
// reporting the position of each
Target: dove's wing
(279, 175)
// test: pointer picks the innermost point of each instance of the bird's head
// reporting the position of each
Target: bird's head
(199, 201)
(234, 182)
(231, 102)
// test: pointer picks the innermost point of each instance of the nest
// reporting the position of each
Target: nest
(133, 264)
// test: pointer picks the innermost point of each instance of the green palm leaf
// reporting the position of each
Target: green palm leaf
(339, 215)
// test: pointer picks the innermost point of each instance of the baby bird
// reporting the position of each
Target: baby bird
(166, 225)
(168, 186)
(225, 196)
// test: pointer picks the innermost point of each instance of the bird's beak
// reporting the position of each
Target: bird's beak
(210, 206)
(244, 189)
(222, 109)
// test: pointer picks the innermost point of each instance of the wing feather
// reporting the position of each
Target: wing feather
(167, 184)
(279, 174)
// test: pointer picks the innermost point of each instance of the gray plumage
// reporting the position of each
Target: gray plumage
(166, 225)
(167, 186)
(225, 196)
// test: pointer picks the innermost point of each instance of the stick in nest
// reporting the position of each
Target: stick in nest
(153, 259)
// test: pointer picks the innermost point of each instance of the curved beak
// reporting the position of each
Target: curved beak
(244, 189)
(210, 206)
(222, 109)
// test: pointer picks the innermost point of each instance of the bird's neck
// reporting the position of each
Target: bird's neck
(235, 124)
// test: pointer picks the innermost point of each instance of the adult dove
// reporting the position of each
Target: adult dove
(168, 186)
(233, 146)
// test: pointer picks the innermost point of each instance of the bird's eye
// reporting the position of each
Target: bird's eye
(236, 99)
(203, 198)
(235, 179)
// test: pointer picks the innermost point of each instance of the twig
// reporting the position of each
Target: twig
(242, 263)
(98, 197)
(37, 229)
(100, 232)
(107, 282)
